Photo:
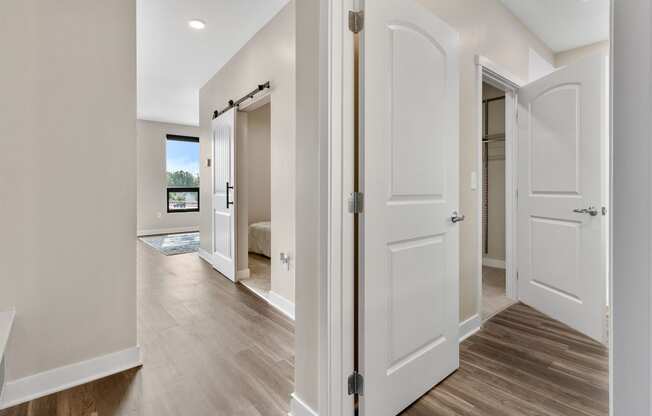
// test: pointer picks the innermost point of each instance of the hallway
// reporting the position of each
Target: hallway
(209, 348)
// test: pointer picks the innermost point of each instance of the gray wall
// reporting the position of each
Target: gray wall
(568, 57)
(68, 174)
(632, 228)
(307, 201)
(152, 180)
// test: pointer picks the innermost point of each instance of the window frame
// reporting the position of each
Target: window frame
(171, 189)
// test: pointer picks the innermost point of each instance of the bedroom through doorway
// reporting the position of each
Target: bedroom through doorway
(255, 229)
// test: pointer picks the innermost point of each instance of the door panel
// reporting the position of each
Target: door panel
(562, 128)
(224, 175)
(409, 339)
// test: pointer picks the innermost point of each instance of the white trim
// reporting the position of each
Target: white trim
(336, 182)
(511, 200)
(498, 73)
(469, 327)
(242, 274)
(62, 378)
(299, 408)
(280, 303)
(488, 71)
(162, 231)
(206, 256)
(6, 323)
(498, 264)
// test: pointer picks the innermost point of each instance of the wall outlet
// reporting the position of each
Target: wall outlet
(159, 215)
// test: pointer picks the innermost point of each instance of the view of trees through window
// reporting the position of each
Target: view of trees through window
(182, 171)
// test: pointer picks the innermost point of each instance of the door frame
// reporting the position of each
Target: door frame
(336, 181)
(491, 73)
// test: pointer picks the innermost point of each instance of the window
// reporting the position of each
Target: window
(182, 170)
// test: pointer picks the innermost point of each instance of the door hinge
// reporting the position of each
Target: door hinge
(356, 384)
(356, 203)
(356, 21)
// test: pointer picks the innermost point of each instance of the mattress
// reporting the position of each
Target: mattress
(260, 238)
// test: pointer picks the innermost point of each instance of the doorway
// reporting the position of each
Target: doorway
(494, 235)
(254, 225)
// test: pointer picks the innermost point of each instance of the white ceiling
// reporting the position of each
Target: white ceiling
(174, 61)
(564, 24)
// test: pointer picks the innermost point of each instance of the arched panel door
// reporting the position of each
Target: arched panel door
(409, 317)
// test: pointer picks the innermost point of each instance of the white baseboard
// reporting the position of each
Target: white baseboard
(299, 408)
(62, 378)
(159, 231)
(282, 304)
(470, 327)
(498, 264)
(243, 274)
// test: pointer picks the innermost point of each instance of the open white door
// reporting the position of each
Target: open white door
(224, 224)
(409, 322)
(562, 132)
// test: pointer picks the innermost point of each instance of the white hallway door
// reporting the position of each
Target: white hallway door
(562, 257)
(409, 335)
(224, 213)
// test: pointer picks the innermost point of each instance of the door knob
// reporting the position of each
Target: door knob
(457, 218)
(592, 211)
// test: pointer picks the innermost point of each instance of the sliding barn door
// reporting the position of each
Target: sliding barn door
(561, 224)
(224, 212)
(409, 327)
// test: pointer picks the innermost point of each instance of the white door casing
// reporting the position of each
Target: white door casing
(224, 216)
(410, 287)
(562, 131)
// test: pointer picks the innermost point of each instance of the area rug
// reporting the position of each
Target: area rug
(171, 244)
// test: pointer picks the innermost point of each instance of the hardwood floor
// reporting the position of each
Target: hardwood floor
(523, 363)
(210, 348)
(214, 348)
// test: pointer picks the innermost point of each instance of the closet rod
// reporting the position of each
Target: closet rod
(500, 137)
(246, 97)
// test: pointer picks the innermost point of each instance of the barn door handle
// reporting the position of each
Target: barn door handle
(228, 199)
(457, 218)
(592, 211)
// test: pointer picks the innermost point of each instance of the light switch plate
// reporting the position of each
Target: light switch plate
(474, 181)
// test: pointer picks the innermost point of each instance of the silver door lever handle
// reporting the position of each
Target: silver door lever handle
(457, 218)
(592, 211)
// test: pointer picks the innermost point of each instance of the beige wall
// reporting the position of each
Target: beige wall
(268, 56)
(308, 191)
(486, 28)
(573, 55)
(68, 174)
(152, 180)
(259, 164)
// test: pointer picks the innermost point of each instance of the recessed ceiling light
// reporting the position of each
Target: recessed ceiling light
(197, 24)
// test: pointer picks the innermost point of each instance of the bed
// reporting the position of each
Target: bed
(260, 238)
